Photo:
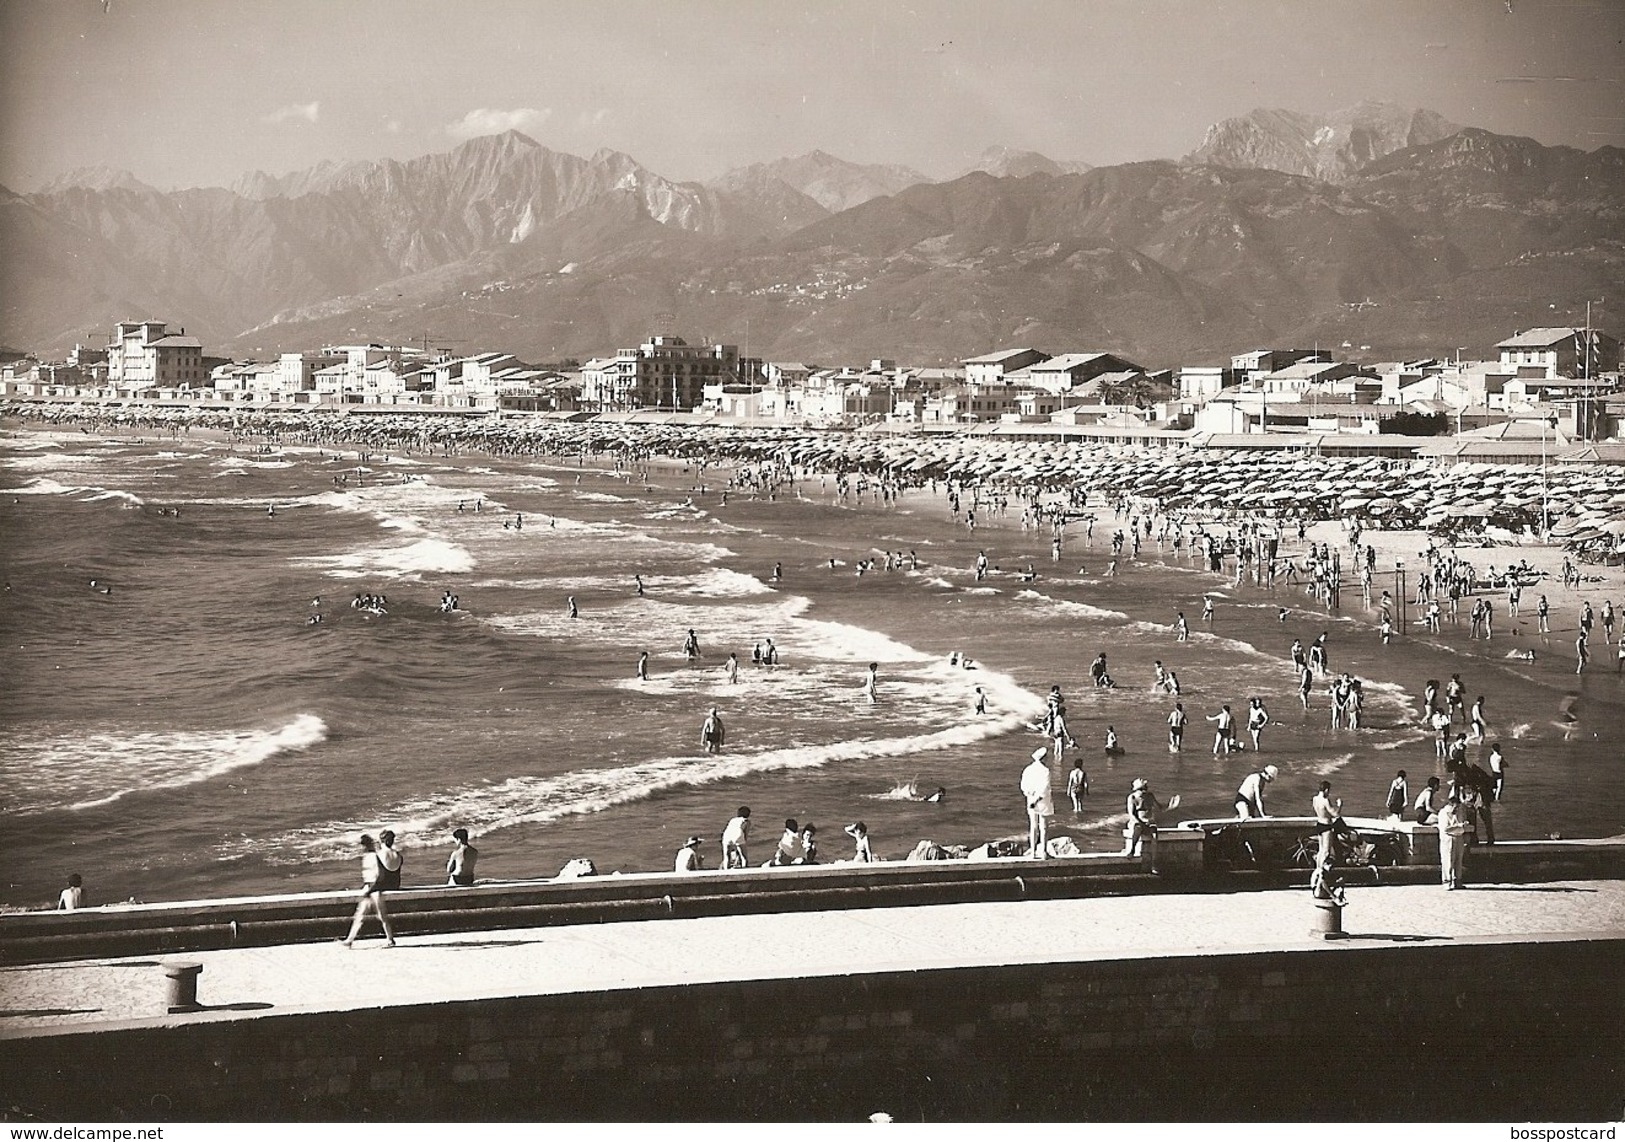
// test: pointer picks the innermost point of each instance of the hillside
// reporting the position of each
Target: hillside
(503, 242)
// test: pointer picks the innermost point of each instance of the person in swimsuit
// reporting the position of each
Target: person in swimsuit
(712, 732)
(372, 895)
(1250, 796)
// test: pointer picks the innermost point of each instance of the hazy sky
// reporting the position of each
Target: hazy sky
(194, 92)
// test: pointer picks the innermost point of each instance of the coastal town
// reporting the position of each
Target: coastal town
(1546, 394)
(862, 563)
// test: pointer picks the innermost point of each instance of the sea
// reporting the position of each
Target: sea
(175, 725)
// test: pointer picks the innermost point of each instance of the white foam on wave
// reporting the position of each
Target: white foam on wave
(600, 498)
(85, 771)
(41, 461)
(45, 486)
(424, 557)
(130, 498)
(1069, 607)
(719, 582)
(538, 800)
(1331, 765)
(656, 622)
(938, 582)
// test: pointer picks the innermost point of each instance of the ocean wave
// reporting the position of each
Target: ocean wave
(41, 461)
(45, 486)
(1069, 607)
(601, 498)
(719, 582)
(91, 770)
(130, 498)
(1330, 765)
(425, 557)
(538, 800)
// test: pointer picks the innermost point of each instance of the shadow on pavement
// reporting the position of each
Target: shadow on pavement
(30, 1013)
(1524, 888)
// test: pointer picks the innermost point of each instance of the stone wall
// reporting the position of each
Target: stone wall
(1487, 1030)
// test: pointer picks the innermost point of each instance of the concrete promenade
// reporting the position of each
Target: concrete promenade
(252, 983)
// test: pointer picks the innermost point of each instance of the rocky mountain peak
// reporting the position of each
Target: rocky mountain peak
(1331, 147)
(97, 177)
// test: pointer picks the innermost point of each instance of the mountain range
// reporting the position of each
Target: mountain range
(1376, 226)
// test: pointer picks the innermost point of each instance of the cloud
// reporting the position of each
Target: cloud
(592, 118)
(309, 112)
(491, 121)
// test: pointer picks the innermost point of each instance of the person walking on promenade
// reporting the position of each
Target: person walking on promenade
(1250, 795)
(372, 895)
(1142, 806)
(734, 837)
(460, 865)
(712, 733)
(1036, 780)
(1453, 829)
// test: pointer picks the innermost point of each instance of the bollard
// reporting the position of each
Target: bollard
(1328, 920)
(180, 987)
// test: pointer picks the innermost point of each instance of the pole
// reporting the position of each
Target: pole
(1399, 592)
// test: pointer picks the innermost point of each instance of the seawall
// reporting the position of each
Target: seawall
(1485, 1029)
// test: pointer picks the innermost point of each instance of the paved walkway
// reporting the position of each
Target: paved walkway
(254, 982)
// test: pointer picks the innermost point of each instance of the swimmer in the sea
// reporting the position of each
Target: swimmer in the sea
(938, 797)
(1112, 745)
(573, 611)
(643, 665)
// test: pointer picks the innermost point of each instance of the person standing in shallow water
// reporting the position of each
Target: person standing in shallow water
(712, 733)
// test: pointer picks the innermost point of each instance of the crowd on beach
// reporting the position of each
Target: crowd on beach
(1232, 519)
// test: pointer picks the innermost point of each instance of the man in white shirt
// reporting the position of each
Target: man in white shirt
(689, 857)
(734, 838)
(1035, 788)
